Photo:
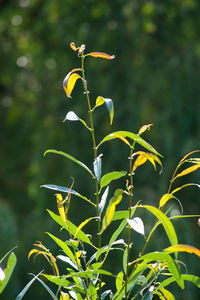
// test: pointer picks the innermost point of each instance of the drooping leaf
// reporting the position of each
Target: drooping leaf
(165, 221)
(134, 137)
(100, 55)
(115, 200)
(60, 205)
(71, 158)
(143, 157)
(137, 225)
(140, 160)
(109, 104)
(187, 171)
(64, 189)
(183, 248)
(107, 178)
(103, 200)
(70, 81)
(71, 116)
(97, 167)
(6, 274)
(165, 198)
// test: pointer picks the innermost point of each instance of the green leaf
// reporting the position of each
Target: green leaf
(192, 278)
(71, 158)
(63, 189)
(12, 260)
(162, 257)
(97, 167)
(132, 136)
(70, 227)
(165, 294)
(120, 214)
(107, 178)
(167, 224)
(148, 295)
(103, 200)
(83, 224)
(47, 288)
(119, 280)
(115, 200)
(125, 256)
(60, 281)
(63, 246)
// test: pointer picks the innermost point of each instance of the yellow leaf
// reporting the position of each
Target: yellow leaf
(144, 128)
(60, 206)
(165, 198)
(183, 248)
(184, 186)
(115, 200)
(99, 101)
(188, 154)
(187, 171)
(165, 294)
(122, 138)
(73, 46)
(101, 55)
(70, 80)
(140, 160)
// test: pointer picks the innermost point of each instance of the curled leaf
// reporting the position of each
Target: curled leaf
(73, 46)
(70, 80)
(101, 55)
(144, 128)
(109, 104)
(97, 167)
(71, 116)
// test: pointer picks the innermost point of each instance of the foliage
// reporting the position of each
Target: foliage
(7, 272)
(85, 256)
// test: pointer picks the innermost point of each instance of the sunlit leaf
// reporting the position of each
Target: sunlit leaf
(136, 224)
(187, 155)
(123, 139)
(119, 280)
(192, 278)
(63, 246)
(7, 272)
(165, 294)
(187, 171)
(71, 116)
(58, 280)
(70, 80)
(144, 128)
(165, 198)
(184, 186)
(64, 189)
(162, 257)
(64, 296)
(101, 55)
(83, 224)
(134, 137)
(71, 158)
(109, 104)
(140, 160)
(97, 166)
(165, 221)
(68, 261)
(183, 248)
(143, 157)
(107, 178)
(60, 205)
(103, 200)
(115, 200)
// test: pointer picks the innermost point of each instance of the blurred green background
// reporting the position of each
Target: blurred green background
(155, 78)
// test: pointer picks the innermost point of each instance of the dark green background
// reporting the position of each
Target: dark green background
(155, 78)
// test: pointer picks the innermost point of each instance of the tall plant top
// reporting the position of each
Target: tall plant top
(86, 256)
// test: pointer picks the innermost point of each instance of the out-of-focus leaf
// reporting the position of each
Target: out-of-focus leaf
(115, 200)
(125, 257)
(70, 81)
(144, 128)
(167, 224)
(64, 189)
(165, 198)
(132, 136)
(71, 116)
(187, 171)
(101, 55)
(73, 46)
(183, 248)
(25, 289)
(184, 186)
(60, 281)
(6, 274)
(71, 158)
(107, 178)
(103, 200)
(97, 167)
(64, 296)
(2, 274)
(164, 294)
(148, 295)
(137, 225)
